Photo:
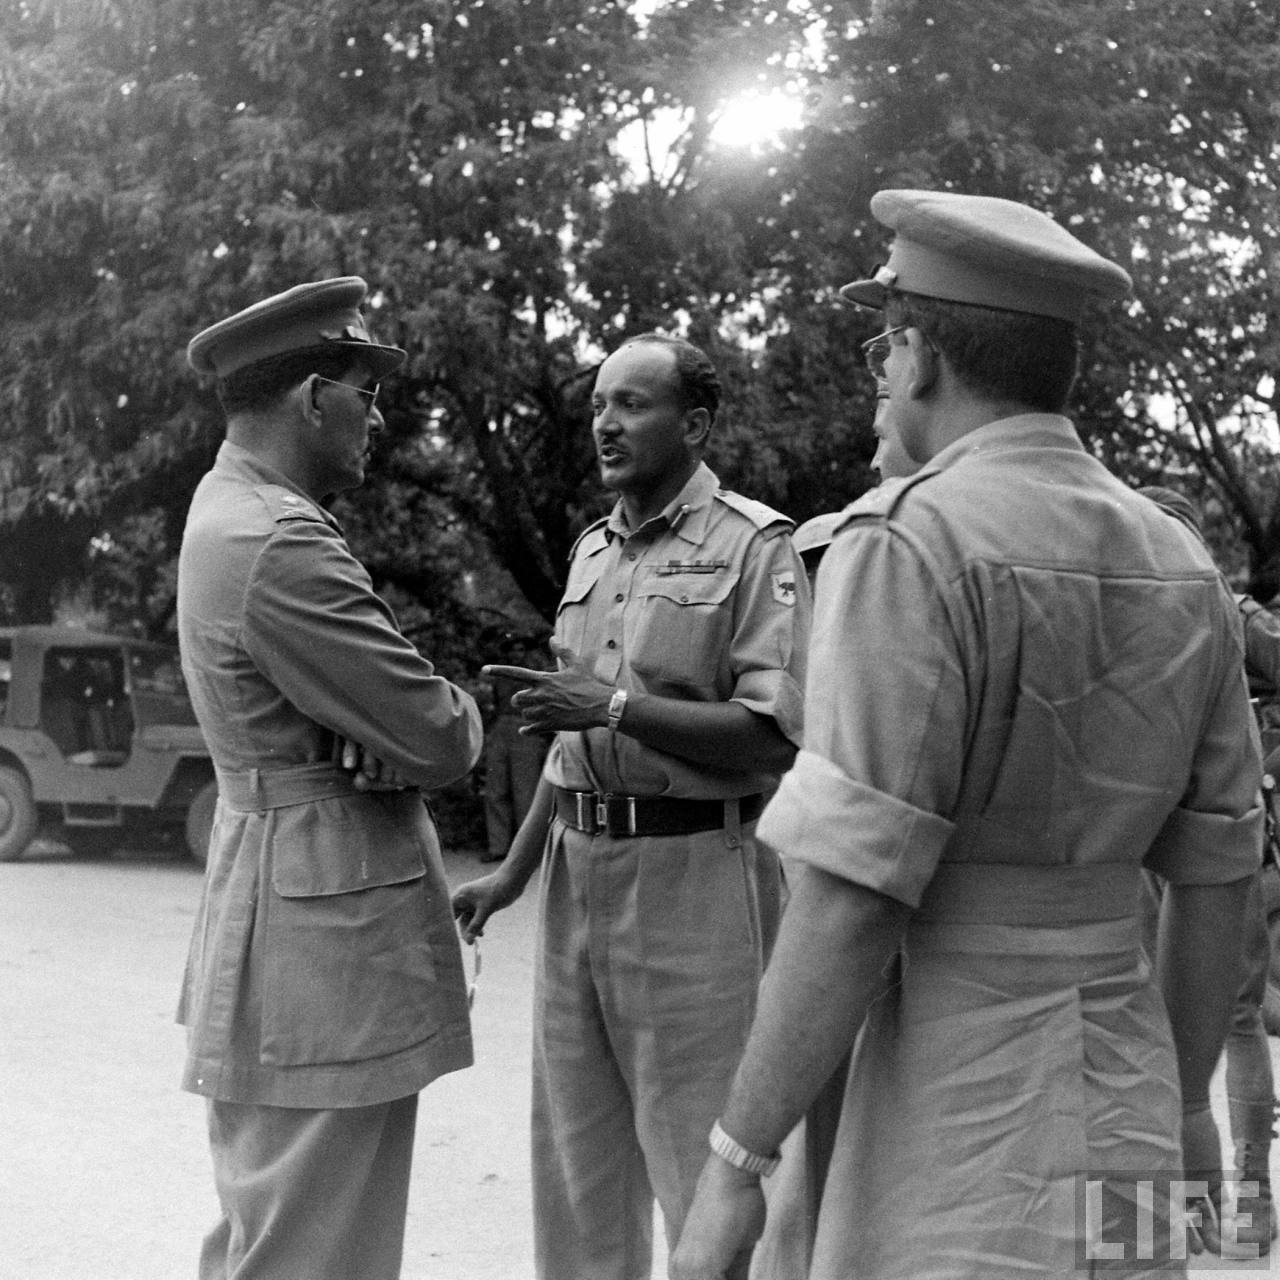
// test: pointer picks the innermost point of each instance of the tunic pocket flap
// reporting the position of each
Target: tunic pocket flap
(690, 587)
(349, 843)
(582, 577)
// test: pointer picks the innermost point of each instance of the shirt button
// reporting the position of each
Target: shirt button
(684, 599)
(612, 644)
(618, 599)
(631, 555)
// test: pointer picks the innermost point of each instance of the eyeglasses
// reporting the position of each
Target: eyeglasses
(875, 351)
(371, 392)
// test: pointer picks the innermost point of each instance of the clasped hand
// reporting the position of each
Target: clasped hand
(368, 772)
(568, 699)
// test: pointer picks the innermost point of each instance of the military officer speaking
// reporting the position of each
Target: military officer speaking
(324, 987)
(681, 640)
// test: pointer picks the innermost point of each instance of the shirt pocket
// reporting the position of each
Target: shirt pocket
(572, 611)
(348, 966)
(682, 630)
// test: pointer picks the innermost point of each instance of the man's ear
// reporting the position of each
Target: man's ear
(924, 361)
(697, 426)
(308, 397)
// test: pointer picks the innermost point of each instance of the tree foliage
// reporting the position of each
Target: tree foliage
(1150, 127)
(167, 161)
(523, 183)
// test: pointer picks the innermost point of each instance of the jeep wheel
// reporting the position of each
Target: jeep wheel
(18, 816)
(200, 821)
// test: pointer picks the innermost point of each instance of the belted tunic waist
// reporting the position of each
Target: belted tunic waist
(257, 790)
(1006, 909)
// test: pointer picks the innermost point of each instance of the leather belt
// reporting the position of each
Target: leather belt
(619, 815)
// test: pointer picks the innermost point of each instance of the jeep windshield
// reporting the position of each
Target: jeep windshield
(159, 691)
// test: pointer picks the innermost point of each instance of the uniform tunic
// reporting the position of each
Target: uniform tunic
(1025, 681)
(325, 969)
(650, 949)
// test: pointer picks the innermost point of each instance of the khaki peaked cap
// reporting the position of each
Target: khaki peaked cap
(320, 313)
(987, 252)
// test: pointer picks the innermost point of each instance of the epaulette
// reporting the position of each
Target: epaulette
(883, 501)
(760, 515)
(284, 505)
(598, 528)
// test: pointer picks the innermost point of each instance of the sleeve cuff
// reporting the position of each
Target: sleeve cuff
(1207, 848)
(774, 694)
(823, 817)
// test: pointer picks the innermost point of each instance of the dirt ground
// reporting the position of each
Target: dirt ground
(104, 1171)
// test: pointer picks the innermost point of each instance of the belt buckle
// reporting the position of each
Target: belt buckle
(617, 815)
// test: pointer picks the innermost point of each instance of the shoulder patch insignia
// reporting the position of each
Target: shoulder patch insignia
(784, 587)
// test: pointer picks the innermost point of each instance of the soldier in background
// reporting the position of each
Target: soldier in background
(1251, 1100)
(512, 760)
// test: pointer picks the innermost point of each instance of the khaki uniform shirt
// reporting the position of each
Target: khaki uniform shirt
(1261, 641)
(1025, 683)
(325, 969)
(707, 602)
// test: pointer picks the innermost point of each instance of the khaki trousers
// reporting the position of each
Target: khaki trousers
(309, 1195)
(650, 952)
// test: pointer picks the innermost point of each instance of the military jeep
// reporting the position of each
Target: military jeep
(97, 740)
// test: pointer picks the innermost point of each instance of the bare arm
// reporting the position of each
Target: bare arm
(701, 732)
(476, 901)
(833, 957)
(1199, 967)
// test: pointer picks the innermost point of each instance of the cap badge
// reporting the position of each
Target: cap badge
(352, 333)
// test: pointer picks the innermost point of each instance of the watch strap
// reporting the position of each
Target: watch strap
(617, 705)
(738, 1156)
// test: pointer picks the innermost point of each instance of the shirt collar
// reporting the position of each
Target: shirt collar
(686, 515)
(1042, 430)
(246, 465)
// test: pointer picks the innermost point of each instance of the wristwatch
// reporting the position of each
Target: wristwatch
(738, 1156)
(617, 705)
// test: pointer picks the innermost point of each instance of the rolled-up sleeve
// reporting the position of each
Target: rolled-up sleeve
(885, 721)
(816, 809)
(1214, 836)
(772, 620)
(316, 629)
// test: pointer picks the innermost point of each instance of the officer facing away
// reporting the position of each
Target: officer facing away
(992, 636)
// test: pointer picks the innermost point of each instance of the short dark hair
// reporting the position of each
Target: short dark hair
(700, 386)
(1011, 355)
(260, 385)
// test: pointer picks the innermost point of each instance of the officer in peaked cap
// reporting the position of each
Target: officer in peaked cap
(985, 252)
(324, 986)
(323, 315)
(1024, 686)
